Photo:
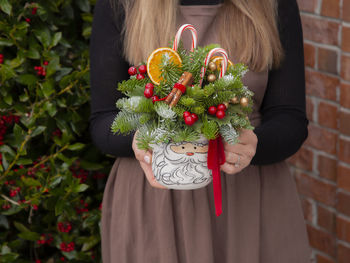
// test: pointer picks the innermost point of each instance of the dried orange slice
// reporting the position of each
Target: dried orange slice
(155, 59)
(217, 60)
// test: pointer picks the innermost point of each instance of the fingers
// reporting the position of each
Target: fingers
(145, 159)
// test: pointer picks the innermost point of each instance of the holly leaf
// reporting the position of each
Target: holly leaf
(5, 6)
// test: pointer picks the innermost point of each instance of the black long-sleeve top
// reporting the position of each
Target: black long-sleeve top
(283, 128)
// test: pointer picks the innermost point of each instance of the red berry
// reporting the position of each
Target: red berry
(148, 93)
(132, 71)
(155, 98)
(46, 63)
(222, 107)
(189, 120)
(149, 86)
(1, 55)
(142, 69)
(194, 116)
(34, 10)
(220, 114)
(212, 110)
(186, 114)
(140, 76)
(28, 20)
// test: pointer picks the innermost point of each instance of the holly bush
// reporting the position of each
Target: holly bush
(51, 176)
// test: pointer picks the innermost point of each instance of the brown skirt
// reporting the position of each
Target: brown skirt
(262, 220)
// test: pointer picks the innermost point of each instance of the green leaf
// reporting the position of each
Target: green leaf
(5, 6)
(6, 72)
(16, 62)
(76, 146)
(43, 35)
(30, 181)
(80, 188)
(84, 5)
(53, 66)
(21, 227)
(48, 88)
(93, 241)
(33, 53)
(56, 38)
(38, 130)
(91, 166)
(5, 42)
(60, 205)
(24, 161)
(4, 222)
(32, 236)
(27, 79)
(50, 108)
(8, 99)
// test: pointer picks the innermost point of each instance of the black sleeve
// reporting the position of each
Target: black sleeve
(107, 68)
(284, 124)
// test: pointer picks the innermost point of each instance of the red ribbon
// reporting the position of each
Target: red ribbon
(180, 87)
(216, 157)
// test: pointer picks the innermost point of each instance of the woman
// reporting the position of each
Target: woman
(262, 218)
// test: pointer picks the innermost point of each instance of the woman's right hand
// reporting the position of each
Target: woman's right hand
(145, 159)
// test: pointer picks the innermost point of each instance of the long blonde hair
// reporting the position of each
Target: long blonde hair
(252, 24)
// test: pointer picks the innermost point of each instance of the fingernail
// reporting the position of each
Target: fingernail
(147, 159)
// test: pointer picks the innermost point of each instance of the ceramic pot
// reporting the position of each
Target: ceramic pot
(182, 165)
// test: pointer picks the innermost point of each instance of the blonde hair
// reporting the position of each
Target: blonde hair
(253, 38)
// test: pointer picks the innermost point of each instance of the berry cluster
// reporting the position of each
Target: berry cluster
(6, 121)
(64, 227)
(34, 9)
(139, 72)
(190, 118)
(99, 175)
(80, 173)
(219, 111)
(6, 206)
(57, 133)
(45, 239)
(1, 58)
(67, 247)
(14, 192)
(83, 207)
(40, 70)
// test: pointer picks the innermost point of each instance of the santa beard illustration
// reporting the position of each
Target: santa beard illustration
(182, 165)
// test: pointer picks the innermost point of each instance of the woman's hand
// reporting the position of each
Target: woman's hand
(239, 155)
(145, 159)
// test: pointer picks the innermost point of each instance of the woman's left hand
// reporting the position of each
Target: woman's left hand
(239, 155)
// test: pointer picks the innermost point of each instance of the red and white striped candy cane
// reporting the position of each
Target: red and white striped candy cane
(224, 62)
(179, 33)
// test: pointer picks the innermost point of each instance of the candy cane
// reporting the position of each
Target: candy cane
(224, 62)
(179, 33)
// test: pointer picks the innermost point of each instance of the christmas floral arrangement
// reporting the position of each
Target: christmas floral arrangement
(183, 103)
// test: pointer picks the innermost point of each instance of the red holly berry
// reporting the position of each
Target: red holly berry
(148, 93)
(28, 20)
(212, 110)
(132, 71)
(189, 120)
(149, 86)
(46, 63)
(220, 114)
(186, 114)
(222, 107)
(142, 69)
(155, 98)
(194, 116)
(140, 76)
(34, 10)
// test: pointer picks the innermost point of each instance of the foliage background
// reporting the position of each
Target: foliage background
(51, 177)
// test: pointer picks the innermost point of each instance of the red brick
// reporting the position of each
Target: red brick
(303, 159)
(321, 85)
(310, 108)
(344, 123)
(343, 178)
(316, 189)
(346, 10)
(343, 229)
(345, 46)
(345, 95)
(344, 150)
(322, 259)
(307, 209)
(326, 219)
(322, 139)
(345, 67)
(322, 240)
(330, 8)
(309, 55)
(327, 60)
(343, 254)
(307, 5)
(328, 115)
(327, 167)
(343, 203)
(320, 30)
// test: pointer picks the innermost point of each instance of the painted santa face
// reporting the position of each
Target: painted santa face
(189, 148)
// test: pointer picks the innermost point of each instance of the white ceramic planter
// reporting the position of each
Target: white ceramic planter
(182, 165)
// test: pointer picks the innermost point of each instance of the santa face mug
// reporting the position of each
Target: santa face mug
(182, 165)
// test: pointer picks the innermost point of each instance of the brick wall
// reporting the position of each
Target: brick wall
(322, 166)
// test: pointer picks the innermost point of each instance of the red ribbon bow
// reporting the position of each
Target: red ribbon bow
(216, 157)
